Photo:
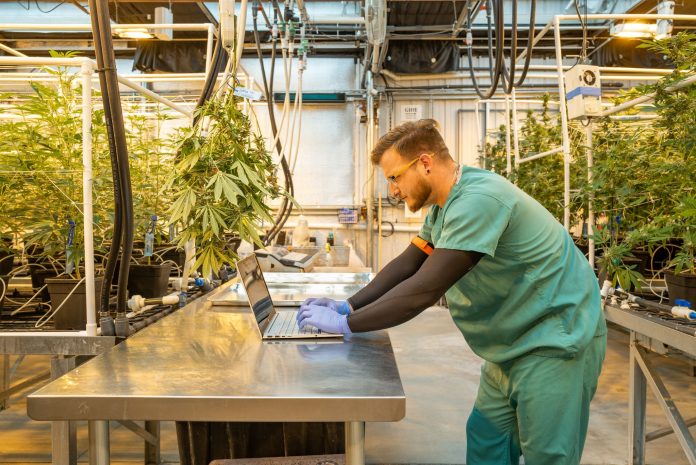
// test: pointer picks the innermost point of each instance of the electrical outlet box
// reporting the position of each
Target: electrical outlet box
(583, 92)
(163, 15)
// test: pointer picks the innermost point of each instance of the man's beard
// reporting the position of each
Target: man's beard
(419, 195)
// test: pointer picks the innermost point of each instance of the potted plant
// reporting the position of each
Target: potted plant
(46, 149)
(150, 156)
(222, 178)
(680, 276)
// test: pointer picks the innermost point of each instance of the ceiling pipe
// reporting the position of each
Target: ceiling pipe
(303, 11)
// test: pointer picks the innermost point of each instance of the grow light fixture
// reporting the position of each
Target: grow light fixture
(660, 30)
(633, 30)
(133, 33)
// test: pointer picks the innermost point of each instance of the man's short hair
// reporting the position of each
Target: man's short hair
(412, 139)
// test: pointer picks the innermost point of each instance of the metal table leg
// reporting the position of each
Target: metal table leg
(636, 408)
(98, 442)
(63, 433)
(152, 451)
(355, 443)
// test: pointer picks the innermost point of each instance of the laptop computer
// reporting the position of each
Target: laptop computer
(271, 323)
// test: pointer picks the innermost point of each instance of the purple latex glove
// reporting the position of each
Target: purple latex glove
(323, 318)
(338, 306)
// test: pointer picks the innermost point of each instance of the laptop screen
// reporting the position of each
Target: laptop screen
(252, 279)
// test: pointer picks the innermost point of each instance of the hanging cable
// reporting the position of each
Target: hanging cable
(583, 25)
(499, 42)
(118, 148)
(286, 206)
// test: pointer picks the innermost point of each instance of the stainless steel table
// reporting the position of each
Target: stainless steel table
(291, 289)
(648, 330)
(207, 363)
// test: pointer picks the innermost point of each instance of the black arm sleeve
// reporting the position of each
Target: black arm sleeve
(439, 272)
(399, 269)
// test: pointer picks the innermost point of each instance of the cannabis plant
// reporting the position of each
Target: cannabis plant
(222, 179)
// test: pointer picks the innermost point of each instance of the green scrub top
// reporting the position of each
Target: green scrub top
(533, 290)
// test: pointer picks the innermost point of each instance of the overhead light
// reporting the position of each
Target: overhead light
(633, 30)
(133, 33)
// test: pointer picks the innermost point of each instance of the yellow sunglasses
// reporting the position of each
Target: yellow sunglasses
(402, 170)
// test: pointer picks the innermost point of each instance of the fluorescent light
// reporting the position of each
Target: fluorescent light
(633, 30)
(133, 33)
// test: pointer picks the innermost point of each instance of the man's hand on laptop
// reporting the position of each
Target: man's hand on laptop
(338, 306)
(323, 318)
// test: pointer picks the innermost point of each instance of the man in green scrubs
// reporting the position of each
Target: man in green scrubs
(521, 293)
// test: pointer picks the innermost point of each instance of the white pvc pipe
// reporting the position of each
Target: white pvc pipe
(540, 102)
(515, 129)
(477, 122)
(11, 51)
(337, 20)
(77, 62)
(631, 103)
(564, 125)
(241, 29)
(590, 203)
(40, 61)
(209, 49)
(541, 155)
(556, 21)
(88, 27)
(87, 71)
(625, 16)
(154, 96)
(507, 135)
(485, 75)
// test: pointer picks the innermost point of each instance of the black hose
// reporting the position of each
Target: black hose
(110, 267)
(269, 97)
(114, 118)
(217, 64)
(499, 61)
(286, 206)
(530, 43)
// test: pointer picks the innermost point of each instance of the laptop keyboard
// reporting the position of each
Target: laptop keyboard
(284, 324)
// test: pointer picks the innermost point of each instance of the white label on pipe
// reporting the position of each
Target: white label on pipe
(247, 93)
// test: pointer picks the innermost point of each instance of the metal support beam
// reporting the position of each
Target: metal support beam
(636, 409)
(369, 196)
(665, 401)
(140, 431)
(5, 395)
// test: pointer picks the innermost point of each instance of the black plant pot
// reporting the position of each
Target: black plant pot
(6, 261)
(681, 286)
(177, 256)
(149, 280)
(38, 279)
(72, 316)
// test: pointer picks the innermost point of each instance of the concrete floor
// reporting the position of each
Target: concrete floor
(440, 378)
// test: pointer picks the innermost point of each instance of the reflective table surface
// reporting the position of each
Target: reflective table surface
(291, 289)
(288, 294)
(318, 278)
(208, 363)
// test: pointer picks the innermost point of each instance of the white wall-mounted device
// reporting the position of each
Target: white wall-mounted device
(583, 91)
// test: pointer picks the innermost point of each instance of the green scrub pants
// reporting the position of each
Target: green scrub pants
(535, 406)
